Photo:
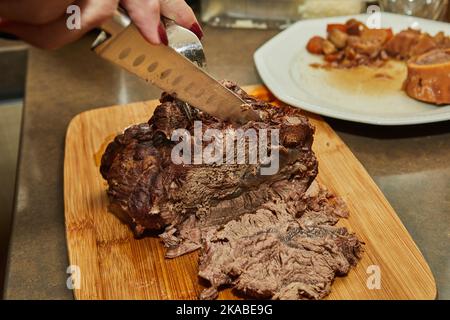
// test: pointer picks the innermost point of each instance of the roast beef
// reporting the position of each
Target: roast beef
(151, 192)
(288, 249)
(269, 236)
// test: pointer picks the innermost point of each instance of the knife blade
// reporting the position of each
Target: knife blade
(167, 69)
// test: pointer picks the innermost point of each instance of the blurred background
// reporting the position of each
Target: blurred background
(255, 14)
(281, 13)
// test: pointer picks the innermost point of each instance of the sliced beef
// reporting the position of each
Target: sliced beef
(150, 192)
(184, 237)
(288, 249)
(269, 236)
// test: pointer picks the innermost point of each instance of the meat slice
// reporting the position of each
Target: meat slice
(149, 191)
(401, 44)
(288, 249)
(185, 236)
(429, 77)
(410, 43)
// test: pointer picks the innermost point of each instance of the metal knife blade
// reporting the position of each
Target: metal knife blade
(173, 73)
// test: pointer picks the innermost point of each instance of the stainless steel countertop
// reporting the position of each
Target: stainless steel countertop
(411, 165)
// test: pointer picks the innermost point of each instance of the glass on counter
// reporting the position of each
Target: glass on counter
(429, 9)
(268, 14)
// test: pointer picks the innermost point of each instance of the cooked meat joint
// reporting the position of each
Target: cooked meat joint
(149, 191)
(269, 236)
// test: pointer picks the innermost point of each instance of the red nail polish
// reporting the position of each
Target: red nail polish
(195, 28)
(163, 34)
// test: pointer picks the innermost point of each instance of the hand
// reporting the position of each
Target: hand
(43, 23)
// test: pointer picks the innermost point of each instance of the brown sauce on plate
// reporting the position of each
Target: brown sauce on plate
(370, 80)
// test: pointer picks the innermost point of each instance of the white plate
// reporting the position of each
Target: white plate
(284, 65)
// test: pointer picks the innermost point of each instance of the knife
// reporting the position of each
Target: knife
(121, 43)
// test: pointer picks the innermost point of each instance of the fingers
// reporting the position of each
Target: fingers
(56, 34)
(47, 28)
(95, 12)
(182, 14)
(146, 16)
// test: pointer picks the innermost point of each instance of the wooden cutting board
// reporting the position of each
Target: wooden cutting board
(114, 265)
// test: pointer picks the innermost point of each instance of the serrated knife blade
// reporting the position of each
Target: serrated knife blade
(170, 71)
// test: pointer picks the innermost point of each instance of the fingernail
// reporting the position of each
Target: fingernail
(163, 34)
(195, 28)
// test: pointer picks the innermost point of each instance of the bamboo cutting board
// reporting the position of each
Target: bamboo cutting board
(112, 264)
